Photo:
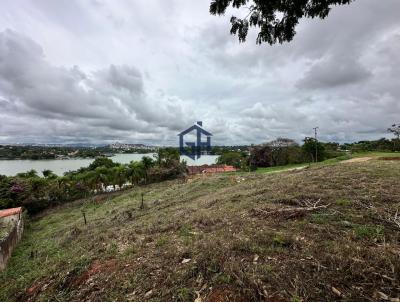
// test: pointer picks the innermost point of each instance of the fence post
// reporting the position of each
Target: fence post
(142, 204)
(84, 216)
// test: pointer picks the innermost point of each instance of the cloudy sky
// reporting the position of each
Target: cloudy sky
(138, 71)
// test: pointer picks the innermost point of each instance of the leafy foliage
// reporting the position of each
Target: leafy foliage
(310, 146)
(236, 159)
(37, 193)
(382, 144)
(276, 19)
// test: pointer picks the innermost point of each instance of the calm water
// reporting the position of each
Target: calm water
(12, 167)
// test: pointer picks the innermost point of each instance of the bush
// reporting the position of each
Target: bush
(38, 193)
(272, 154)
(309, 147)
(237, 159)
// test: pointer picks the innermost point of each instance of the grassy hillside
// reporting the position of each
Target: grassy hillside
(323, 233)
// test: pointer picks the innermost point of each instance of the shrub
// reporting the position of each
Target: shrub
(232, 158)
(367, 231)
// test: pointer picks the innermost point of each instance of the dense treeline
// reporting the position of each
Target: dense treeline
(48, 152)
(383, 145)
(36, 193)
(280, 152)
(284, 151)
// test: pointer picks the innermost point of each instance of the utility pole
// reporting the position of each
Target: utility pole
(316, 143)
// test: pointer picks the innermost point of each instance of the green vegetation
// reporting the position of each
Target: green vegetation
(63, 152)
(237, 159)
(276, 21)
(36, 193)
(45, 152)
(290, 236)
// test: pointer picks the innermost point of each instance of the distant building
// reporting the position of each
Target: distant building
(131, 147)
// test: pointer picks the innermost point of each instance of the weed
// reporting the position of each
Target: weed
(319, 218)
(343, 202)
(82, 264)
(112, 249)
(185, 231)
(185, 294)
(130, 251)
(296, 299)
(281, 240)
(187, 234)
(161, 241)
(369, 232)
(222, 278)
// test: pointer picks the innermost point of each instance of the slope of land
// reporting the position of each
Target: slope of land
(324, 233)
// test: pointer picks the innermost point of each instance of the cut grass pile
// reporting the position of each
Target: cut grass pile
(324, 233)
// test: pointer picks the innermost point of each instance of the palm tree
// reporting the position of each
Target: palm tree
(147, 162)
(121, 175)
(102, 177)
(118, 176)
(48, 174)
(30, 174)
(90, 180)
(135, 172)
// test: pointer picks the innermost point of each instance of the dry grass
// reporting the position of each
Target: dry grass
(222, 238)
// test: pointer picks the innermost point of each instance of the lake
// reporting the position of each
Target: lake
(59, 167)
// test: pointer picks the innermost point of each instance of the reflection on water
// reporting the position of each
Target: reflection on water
(58, 166)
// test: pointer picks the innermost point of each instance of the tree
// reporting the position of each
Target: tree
(48, 174)
(30, 174)
(309, 146)
(260, 156)
(103, 177)
(232, 158)
(102, 162)
(395, 129)
(91, 180)
(135, 172)
(119, 175)
(280, 150)
(276, 19)
(147, 162)
(167, 156)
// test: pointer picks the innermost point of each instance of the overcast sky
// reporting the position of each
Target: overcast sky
(138, 71)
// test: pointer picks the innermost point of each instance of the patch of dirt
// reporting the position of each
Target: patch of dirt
(389, 158)
(75, 280)
(33, 291)
(225, 294)
(357, 160)
(95, 268)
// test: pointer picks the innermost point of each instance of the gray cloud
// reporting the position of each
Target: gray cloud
(137, 71)
(111, 98)
(334, 71)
